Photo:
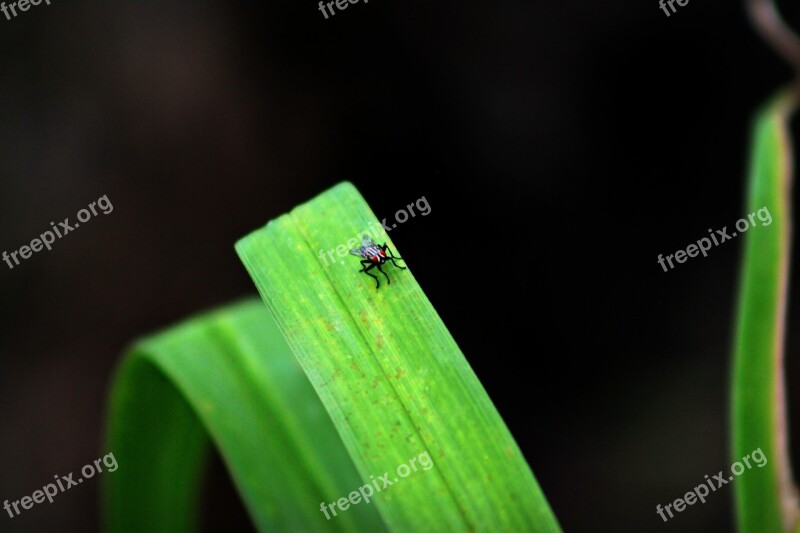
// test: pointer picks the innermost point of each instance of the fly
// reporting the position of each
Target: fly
(373, 256)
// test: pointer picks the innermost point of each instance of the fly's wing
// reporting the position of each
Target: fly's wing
(361, 251)
(358, 252)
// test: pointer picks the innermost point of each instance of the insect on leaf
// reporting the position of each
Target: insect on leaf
(392, 377)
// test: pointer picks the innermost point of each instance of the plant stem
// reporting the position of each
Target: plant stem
(771, 27)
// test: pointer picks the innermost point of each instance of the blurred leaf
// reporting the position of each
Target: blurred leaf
(765, 497)
(228, 375)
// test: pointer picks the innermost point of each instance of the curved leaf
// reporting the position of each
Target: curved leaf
(765, 497)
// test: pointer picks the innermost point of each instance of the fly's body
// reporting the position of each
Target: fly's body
(373, 256)
(373, 253)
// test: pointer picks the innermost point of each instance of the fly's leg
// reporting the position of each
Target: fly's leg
(390, 256)
(395, 264)
(384, 273)
(369, 265)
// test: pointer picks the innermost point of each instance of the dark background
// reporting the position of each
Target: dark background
(561, 146)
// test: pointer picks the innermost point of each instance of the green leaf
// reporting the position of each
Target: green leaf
(765, 498)
(227, 375)
(391, 376)
(383, 392)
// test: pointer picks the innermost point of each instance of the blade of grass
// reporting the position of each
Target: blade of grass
(392, 378)
(765, 497)
(230, 376)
